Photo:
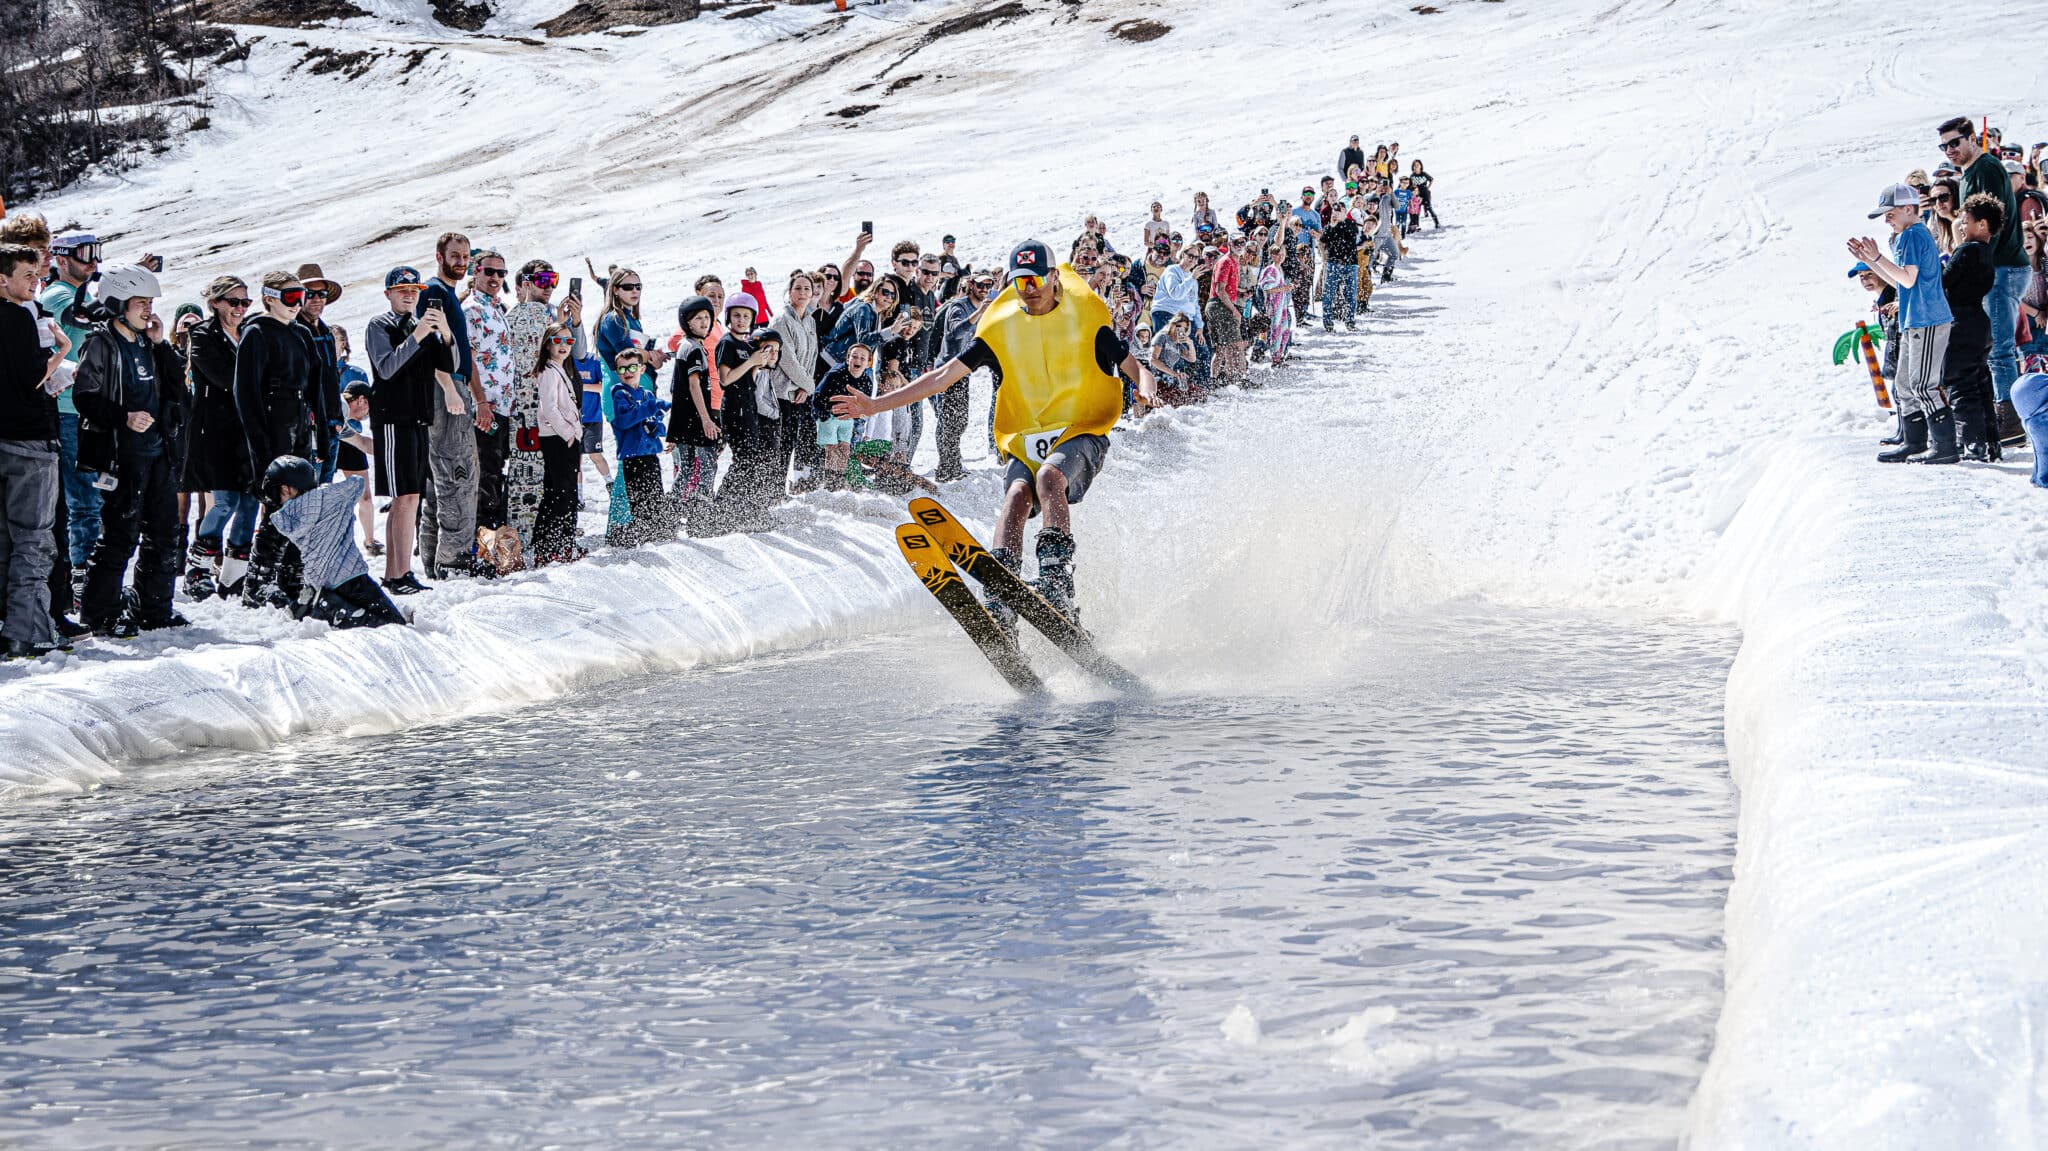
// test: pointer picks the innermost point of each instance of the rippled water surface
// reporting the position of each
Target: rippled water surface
(1465, 896)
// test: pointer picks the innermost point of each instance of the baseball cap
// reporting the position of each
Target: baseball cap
(357, 388)
(1859, 269)
(402, 276)
(1896, 196)
(2015, 167)
(948, 240)
(1029, 258)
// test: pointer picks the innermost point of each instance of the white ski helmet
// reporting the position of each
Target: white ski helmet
(128, 282)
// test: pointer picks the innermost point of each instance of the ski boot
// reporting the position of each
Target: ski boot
(1004, 615)
(234, 573)
(1055, 579)
(200, 561)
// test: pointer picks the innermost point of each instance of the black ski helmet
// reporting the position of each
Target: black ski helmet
(288, 471)
(691, 307)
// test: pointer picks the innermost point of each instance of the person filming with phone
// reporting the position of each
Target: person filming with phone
(406, 356)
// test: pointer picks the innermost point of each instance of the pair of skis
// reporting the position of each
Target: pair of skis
(938, 548)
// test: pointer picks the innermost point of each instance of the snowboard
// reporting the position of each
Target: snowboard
(928, 559)
(966, 554)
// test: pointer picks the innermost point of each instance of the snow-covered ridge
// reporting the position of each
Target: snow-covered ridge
(1613, 391)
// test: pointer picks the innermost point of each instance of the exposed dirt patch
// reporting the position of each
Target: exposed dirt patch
(238, 53)
(749, 10)
(1139, 31)
(902, 82)
(414, 59)
(605, 15)
(354, 65)
(467, 15)
(854, 111)
(1425, 10)
(966, 22)
(279, 13)
(393, 233)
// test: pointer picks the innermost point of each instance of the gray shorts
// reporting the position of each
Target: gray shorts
(593, 439)
(1079, 459)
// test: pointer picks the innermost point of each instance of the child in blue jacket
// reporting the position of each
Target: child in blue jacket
(637, 423)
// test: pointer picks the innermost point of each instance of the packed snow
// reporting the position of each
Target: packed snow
(1607, 388)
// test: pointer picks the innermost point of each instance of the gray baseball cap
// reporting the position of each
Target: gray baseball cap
(1896, 196)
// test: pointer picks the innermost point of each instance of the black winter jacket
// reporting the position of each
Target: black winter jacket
(278, 393)
(104, 403)
(219, 457)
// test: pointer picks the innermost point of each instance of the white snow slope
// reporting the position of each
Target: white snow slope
(1607, 387)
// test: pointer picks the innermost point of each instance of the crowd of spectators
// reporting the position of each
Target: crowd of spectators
(1961, 299)
(261, 453)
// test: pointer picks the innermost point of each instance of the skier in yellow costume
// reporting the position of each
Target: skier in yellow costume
(1050, 343)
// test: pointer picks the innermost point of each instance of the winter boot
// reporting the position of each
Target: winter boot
(2010, 430)
(1912, 439)
(1898, 433)
(1005, 615)
(1056, 571)
(200, 561)
(1941, 439)
(234, 573)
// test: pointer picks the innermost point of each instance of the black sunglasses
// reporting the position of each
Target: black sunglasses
(1952, 142)
(490, 271)
(906, 260)
(629, 287)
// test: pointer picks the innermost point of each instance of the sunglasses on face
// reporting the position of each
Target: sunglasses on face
(1951, 142)
(1029, 283)
(490, 272)
(316, 293)
(629, 287)
(629, 369)
(541, 279)
(237, 302)
(563, 341)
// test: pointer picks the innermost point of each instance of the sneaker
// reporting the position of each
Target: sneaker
(407, 584)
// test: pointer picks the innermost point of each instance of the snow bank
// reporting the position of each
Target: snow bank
(69, 722)
(1887, 957)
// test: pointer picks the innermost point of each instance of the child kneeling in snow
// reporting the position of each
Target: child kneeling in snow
(321, 520)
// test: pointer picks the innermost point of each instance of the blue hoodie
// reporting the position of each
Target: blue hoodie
(636, 420)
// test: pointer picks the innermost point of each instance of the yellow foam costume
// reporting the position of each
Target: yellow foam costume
(1052, 388)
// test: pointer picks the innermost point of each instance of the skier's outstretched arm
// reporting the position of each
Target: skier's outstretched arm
(853, 405)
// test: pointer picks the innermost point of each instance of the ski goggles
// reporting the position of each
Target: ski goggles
(542, 279)
(289, 297)
(86, 253)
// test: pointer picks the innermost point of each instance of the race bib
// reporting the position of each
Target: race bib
(1038, 445)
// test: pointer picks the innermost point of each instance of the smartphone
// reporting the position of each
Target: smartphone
(576, 286)
(432, 305)
(867, 227)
